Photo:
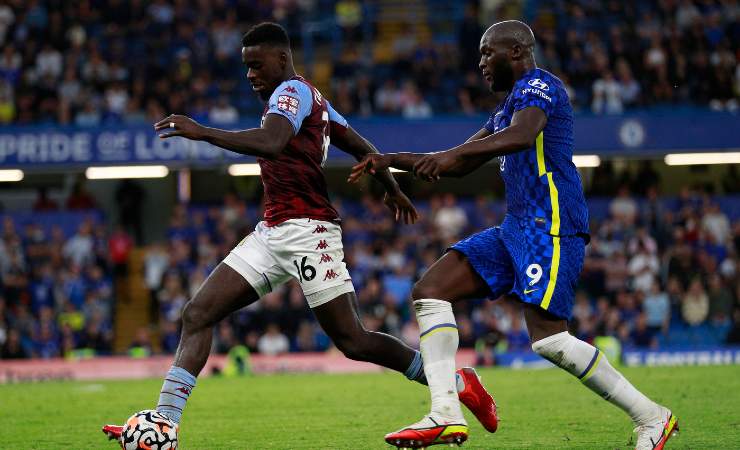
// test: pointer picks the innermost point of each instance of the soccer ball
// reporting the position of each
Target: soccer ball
(149, 430)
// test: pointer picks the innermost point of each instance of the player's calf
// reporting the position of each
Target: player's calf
(593, 369)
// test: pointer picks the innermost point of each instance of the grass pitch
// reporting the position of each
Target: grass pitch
(543, 409)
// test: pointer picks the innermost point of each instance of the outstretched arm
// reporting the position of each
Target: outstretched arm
(480, 148)
(526, 124)
(265, 142)
(349, 141)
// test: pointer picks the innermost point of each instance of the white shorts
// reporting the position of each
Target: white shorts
(305, 249)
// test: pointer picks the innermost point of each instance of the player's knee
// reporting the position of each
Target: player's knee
(192, 316)
(423, 289)
(352, 348)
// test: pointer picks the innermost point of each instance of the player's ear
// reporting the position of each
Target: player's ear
(516, 52)
(284, 59)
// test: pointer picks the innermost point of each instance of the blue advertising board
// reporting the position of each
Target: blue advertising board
(630, 135)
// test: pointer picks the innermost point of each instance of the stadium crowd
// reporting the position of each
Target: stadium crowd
(57, 291)
(102, 62)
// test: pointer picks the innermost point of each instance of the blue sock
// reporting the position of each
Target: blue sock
(177, 387)
(415, 372)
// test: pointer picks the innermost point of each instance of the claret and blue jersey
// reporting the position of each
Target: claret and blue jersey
(537, 252)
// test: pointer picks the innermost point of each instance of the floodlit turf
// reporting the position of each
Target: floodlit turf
(544, 409)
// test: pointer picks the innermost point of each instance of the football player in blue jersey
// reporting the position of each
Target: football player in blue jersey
(536, 254)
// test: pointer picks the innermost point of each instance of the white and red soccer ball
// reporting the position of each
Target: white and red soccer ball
(149, 430)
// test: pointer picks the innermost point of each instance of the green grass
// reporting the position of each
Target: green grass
(544, 409)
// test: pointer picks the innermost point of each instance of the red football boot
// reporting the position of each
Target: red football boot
(113, 432)
(477, 399)
(428, 432)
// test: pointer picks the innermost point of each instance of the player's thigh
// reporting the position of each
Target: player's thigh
(475, 267)
(547, 269)
(223, 292)
(254, 259)
(311, 251)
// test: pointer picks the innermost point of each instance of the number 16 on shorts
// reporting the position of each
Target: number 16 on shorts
(306, 272)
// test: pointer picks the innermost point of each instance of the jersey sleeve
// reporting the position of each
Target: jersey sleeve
(293, 100)
(533, 91)
(337, 123)
(335, 117)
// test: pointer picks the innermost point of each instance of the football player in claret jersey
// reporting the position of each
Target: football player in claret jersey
(300, 236)
(536, 254)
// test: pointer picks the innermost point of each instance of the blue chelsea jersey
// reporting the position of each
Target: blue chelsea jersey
(543, 187)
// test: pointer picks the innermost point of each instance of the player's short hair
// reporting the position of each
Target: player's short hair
(266, 33)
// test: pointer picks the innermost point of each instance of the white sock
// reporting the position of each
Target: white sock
(438, 346)
(593, 369)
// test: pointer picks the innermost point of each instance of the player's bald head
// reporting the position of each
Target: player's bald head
(510, 33)
(507, 51)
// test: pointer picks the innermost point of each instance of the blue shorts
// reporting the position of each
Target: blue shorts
(539, 268)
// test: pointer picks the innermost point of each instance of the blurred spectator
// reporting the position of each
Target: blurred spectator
(273, 342)
(607, 98)
(413, 105)
(695, 304)
(643, 268)
(721, 301)
(657, 308)
(222, 113)
(624, 208)
(716, 224)
(79, 248)
(120, 245)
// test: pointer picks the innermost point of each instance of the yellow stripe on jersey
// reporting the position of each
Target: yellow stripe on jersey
(542, 170)
(553, 273)
(554, 220)
(540, 154)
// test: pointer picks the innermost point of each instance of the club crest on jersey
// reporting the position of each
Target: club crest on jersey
(538, 84)
(288, 103)
(330, 275)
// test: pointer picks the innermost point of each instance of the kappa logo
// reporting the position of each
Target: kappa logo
(325, 258)
(330, 275)
(538, 84)
(319, 229)
(322, 245)
(184, 390)
(290, 89)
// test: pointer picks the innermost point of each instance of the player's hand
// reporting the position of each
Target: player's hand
(401, 207)
(179, 126)
(371, 164)
(431, 167)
